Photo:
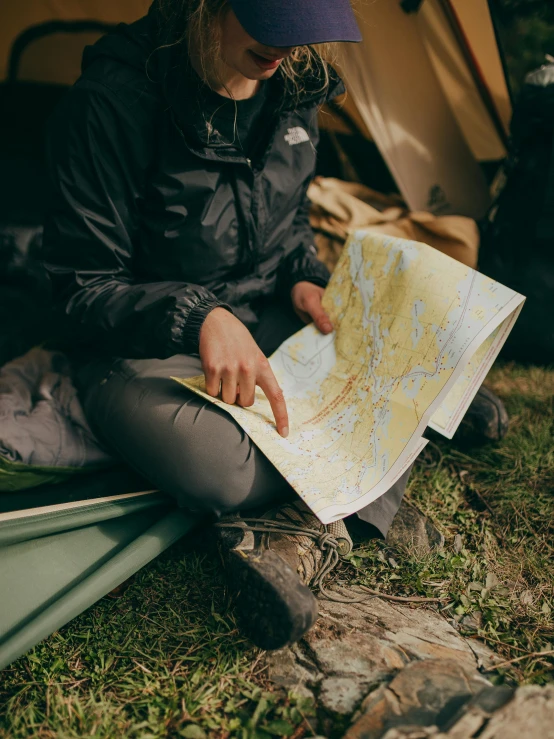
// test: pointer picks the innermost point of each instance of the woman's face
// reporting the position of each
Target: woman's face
(245, 55)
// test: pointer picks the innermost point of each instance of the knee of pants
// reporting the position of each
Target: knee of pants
(230, 475)
(218, 489)
(185, 447)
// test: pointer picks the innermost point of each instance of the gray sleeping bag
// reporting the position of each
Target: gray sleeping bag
(44, 435)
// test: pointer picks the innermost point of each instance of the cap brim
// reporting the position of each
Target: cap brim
(285, 23)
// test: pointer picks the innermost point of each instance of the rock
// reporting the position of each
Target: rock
(474, 715)
(355, 648)
(472, 621)
(412, 530)
(486, 419)
(529, 714)
(423, 695)
(414, 633)
(369, 659)
(420, 710)
(340, 696)
(379, 670)
(351, 669)
(291, 669)
(410, 733)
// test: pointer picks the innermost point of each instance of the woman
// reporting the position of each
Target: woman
(179, 243)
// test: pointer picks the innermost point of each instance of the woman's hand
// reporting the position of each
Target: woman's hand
(232, 361)
(306, 301)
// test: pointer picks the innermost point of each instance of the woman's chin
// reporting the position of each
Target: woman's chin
(253, 72)
(259, 74)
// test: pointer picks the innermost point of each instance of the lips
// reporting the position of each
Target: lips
(263, 62)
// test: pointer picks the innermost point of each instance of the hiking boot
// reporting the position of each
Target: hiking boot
(486, 418)
(272, 562)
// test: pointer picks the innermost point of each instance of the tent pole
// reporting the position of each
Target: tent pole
(45, 29)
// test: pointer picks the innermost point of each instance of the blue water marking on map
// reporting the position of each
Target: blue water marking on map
(418, 308)
(315, 354)
(310, 435)
(295, 448)
(472, 307)
(412, 382)
(390, 261)
(365, 285)
(408, 253)
(466, 305)
(384, 417)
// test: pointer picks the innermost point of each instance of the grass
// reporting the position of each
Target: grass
(163, 660)
(495, 506)
(166, 660)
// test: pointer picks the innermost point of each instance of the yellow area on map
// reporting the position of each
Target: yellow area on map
(408, 319)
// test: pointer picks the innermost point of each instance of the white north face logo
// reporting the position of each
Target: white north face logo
(296, 135)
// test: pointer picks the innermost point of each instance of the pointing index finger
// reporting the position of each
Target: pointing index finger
(274, 394)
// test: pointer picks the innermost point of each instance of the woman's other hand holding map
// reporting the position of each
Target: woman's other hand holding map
(306, 301)
(234, 364)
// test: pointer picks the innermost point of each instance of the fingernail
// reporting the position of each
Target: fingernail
(327, 327)
(285, 432)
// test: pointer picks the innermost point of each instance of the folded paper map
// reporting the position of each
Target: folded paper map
(415, 334)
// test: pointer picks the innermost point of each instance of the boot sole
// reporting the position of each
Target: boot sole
(273, 607)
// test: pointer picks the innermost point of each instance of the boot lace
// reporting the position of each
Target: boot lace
(325, 541)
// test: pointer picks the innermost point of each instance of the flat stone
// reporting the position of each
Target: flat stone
(423, 695)
(497, 712)
(341, 695)
(486, 419)
(476, 713)
(472, 621)
(288, 671)
(413, 530)
(417, 633)
(529, 714)
(411, 732)
(356, 654)
(366, 657)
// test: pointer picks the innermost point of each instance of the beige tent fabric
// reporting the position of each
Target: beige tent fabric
(456, 79)
(338, 207)
(18, 15)
(476, 22)
(396, 90)
(56, 58)
(330, 121)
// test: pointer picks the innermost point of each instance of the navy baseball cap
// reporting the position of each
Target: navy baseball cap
(297, 22)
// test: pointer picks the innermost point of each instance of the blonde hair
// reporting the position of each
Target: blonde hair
(200, 19)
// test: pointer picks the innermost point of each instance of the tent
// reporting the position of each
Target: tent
(427, 85)
(427, 112)
(64, 547)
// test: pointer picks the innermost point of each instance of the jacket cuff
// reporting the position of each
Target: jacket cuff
(190, 337)
(309, 269)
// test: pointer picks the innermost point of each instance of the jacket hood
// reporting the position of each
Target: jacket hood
(129, 44)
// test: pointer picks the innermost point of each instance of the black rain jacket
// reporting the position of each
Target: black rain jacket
(155, 222)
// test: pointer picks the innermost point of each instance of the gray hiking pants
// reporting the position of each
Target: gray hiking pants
(186, 446)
